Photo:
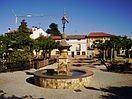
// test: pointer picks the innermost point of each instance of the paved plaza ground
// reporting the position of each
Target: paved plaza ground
(104, 85)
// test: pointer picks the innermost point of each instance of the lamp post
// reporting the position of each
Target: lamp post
(63, 23)
(63, 44)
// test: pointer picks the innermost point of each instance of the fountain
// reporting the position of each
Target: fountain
(63, 76)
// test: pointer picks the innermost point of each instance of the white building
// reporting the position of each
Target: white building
(36, 32)
(78, 47)
(78, 44)
(129, 37)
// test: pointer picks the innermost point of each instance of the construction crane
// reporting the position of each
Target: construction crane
(17, 16)
(24, 16)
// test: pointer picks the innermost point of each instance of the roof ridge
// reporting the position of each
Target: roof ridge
(96, 34)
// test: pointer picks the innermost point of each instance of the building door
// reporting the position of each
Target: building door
(72, 53)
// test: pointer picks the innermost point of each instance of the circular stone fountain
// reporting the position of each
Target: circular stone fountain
(49, 78)
(63, 77)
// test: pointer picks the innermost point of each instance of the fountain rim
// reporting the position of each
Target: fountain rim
(87, 73)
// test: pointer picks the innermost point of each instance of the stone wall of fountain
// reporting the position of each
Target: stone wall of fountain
(63, 82)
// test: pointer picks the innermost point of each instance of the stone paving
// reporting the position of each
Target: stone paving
(104, 85)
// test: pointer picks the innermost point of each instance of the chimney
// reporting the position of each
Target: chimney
(9, 29)
(33, 28)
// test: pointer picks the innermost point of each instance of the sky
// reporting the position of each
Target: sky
(109, 16)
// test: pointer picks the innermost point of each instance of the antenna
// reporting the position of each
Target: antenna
(65, 13)
(65, 16)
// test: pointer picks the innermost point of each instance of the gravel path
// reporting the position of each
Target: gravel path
(106, 85)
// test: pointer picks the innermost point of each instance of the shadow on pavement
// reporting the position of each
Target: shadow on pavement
(3, 96)
(29, 73)
(92, 88)
(124, 72)
(123, 92)
(30, 80)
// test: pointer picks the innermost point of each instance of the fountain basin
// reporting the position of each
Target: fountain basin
(77, 79)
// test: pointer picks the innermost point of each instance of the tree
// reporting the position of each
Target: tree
(45, 44)
(23, 27)
(113, 46)
(22, 44)
(20, 56)
(21, 38)
(51, 45)
(5, 43)
(126, 45)
(53, 30)
(104, 48)
(114, 41)
(99, 44)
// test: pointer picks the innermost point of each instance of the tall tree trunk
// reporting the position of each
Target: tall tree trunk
(129, 55)
(111, 54)
(104, 55)
(115, 52)
(45, 55)
(49, 53)
(126, 53)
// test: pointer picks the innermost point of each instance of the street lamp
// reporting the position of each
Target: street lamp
(63, 23)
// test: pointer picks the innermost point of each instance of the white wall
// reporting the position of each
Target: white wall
(37, 32)
(74, 43)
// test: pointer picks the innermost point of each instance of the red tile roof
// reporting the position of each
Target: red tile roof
(76, 36)
(15, 30)
(56, 37)
(98, 34)
(69, 37)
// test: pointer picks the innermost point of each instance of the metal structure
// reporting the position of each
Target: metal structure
(17, 16)
(24, 16)
(64, 21)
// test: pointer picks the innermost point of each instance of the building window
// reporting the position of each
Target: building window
(57, 52)
(78, 53)
(72, 53)
(78, 48)
(83, 53)
(91, 45)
